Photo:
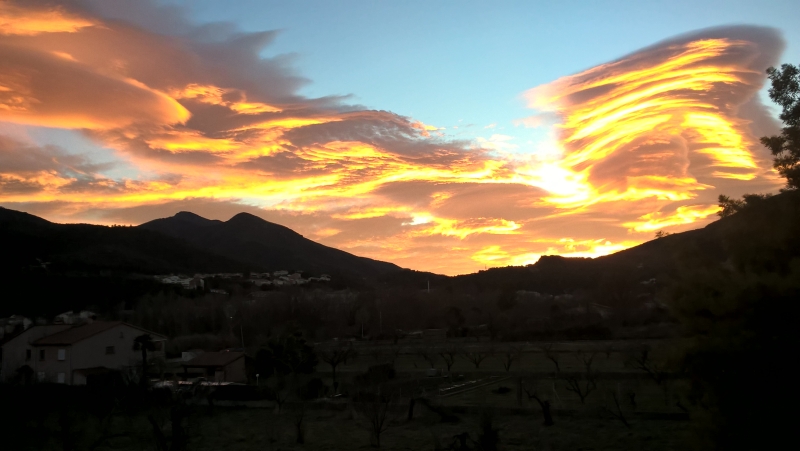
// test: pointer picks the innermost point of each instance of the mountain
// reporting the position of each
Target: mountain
(29, 240)
(773, 220)
(263, 244)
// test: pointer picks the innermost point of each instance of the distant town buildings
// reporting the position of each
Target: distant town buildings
(276, 279)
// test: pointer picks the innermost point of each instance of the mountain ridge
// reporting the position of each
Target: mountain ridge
(253, 240)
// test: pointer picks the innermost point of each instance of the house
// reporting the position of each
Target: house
(73, 355)
(18, 353)
(225, 366)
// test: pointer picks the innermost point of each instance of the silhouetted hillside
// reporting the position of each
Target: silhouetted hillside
(260, 243)
(775, 219)
(28, 240)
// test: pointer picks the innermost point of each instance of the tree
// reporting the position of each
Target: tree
(728, 206)
(616, 412)
(144, 343)
(585, 384)
(510, 355)
(642, 361)
(449, 355)
(375, 408)
(475, 357)
(334, 356)
(739, 316)
(544, 404)
(551, 355)
(288, 354)
(428, 354)
(785, 91)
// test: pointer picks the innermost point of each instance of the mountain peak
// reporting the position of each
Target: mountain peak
(245, 217)
(193, 218)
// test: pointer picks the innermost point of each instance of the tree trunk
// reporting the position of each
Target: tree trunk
(548, 418)
(411, 403)
(143, 381)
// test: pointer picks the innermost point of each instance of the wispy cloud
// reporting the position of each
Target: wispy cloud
(209, 125)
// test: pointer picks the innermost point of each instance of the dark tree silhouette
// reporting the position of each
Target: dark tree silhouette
(510, 355)
(785, 91)
(335, 356)
(544, 404)
(449, 355)
(585, 384)
(551, 355)
(145, 344)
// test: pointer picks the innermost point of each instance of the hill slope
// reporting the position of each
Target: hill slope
(263, 244)
(775, 219)
(82, 247)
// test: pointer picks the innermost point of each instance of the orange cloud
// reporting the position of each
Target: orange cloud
(639, 144)
(685, 214)
(15, 20)
(651, 112)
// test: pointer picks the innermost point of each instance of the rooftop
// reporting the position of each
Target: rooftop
(80, 333)
(214, 359)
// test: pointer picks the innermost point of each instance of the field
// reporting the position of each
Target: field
(625, 408)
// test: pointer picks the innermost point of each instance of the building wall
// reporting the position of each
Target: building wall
(236, 371)
(91, 352)
(88, 353)
(14, 351)
(51, 368)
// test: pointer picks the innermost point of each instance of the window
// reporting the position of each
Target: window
(62, 378)
(110, 350)
(41, 354)
(28, 354)
(62, 354)
(40, 376)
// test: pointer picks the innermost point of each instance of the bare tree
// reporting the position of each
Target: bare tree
(510, 355)
(449, 355)
(586, 359)
(475, 357)
(375, 408)
(428, 354)
(585, 384)
(544, 404)
(299, 423)
(280, 390)
(616, 412)
(551, 355)
(582, 386)
(642, 361)
(334, 357)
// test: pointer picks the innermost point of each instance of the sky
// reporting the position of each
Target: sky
(441, 136)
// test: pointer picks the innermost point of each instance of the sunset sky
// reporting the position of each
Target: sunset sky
(441, 136)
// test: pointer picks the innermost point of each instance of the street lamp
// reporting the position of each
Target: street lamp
(257, 385)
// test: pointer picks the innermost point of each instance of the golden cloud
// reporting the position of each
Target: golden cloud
(641, 144)
(16, 20)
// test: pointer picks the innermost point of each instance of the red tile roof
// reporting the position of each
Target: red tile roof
(80, 333)
(214, 359)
